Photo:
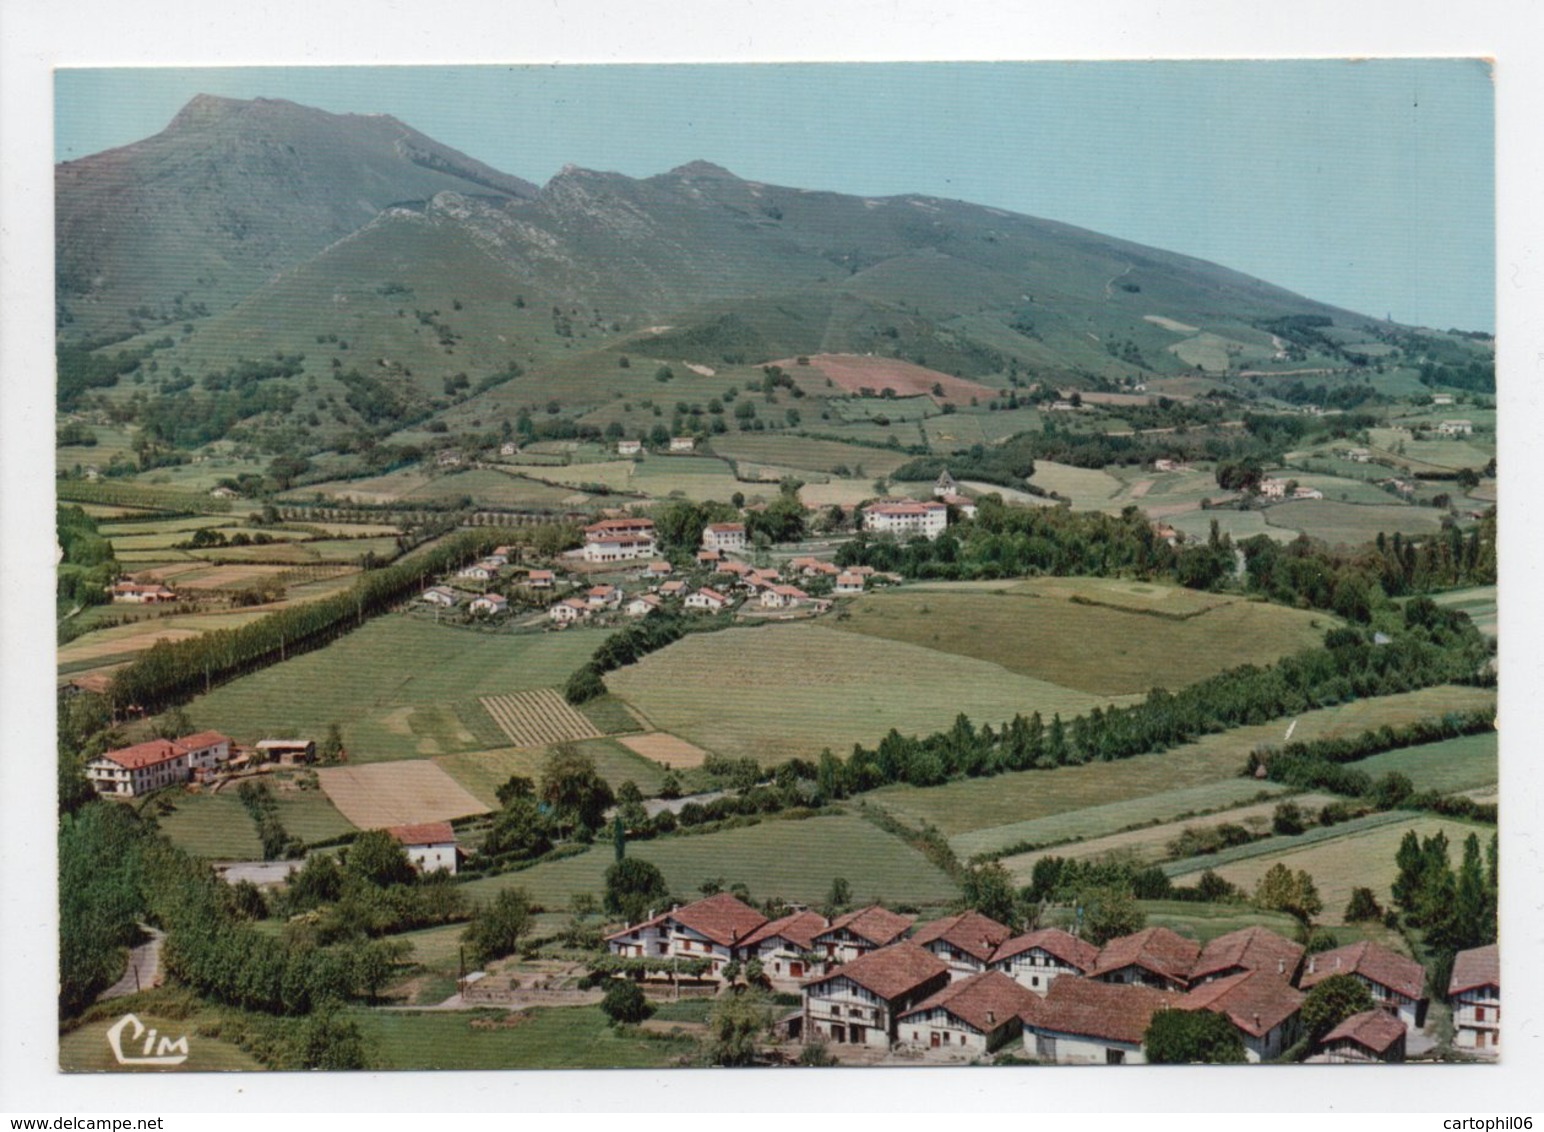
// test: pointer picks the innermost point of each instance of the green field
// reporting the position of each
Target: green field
(85, 1049)
(1478, 602)
(1339, 489)
(1240, 525)
(392, 686)
(572, 1037)
(1277, 846)
(1090, 489)
(310, 816)
(483, 772)
(794, 860)
(214, 826)
(790, 690)
(492, 488)
(1349, 524)
(1036, 630)
(1465, 763)
(805, 452)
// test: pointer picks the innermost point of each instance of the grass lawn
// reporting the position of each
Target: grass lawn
(573, 1037)
(392, 685)
(794, 860)
(310, 816)
(790, 690)
(1035, 630)
(85, 1049)
(1453, 765)
(213, 826)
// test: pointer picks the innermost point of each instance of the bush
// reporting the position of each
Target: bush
(625, 1004)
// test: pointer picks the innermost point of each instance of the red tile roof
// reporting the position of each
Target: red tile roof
(908, 508)
(971, 932)
(1117, 1012)
(426, 833)
(1254, 1001)
(1065, 946)
(799, 929)
(874, 924)
(1253, 949)
(1375, 1030)
(541, 575)
(891, 971)
(619, 526)
(1477, 967)
(201, 739)
(983, 1002)
(1159, 950)
(1372, 961)
(150, 753)
(723, 918)
(727, 528)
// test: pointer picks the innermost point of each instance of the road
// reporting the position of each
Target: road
(143, 970)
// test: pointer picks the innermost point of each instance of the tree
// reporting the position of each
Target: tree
(1190, 1037)
(630, 806)
(989, 890)
(633, 888)
(1108, 912)
(331, 750)
(1332, 1001)
(1363, 906)
(496, 929)
(625, 1003)
(1288, 820)
(584, 685)
(838, 897)
(375, 961)
(328, 1040)
(520, 829)
(1282, 890)
(173, 725)
(570, 785)
(377, 857)
(735, 1026)
(517, 786)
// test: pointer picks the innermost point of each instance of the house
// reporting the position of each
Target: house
(966, 942)
(673, 589)
(568, 610)
(1273, 488)
(858, 933)
(709, 557)
(1398, 984)
(431, 847)
(1170, 466)
(131, 772)
(541, 579)
(499, 556)
(1373, 1035)
(733, 569)
(861, 1001)
(1166, 533)
(783, 597)
(1248, 949)
(141, 593)
(961, 503)
(613, 540)
(710, 929)
(711, 600)
(509, 448)
(490, 604)
(287, 752)
(629, 447)
(682, 443)
(1155, 957)
(1037, 959)
(602, 596)
(945, 485)
(1301, 492)
(222, 492)
(973, 1016)
(1441, 398)
(723, 536)
(1475, 993)
(483, 571)
(849, 583)
(785, 948)
(1262, 1006)
(660, 569)
(643, 605)
(813, 568)
(1083, 1022)
(1358, 455)
(440, 595)
(92, 683)
(1455, 428)
(448, 458)
(906, 518)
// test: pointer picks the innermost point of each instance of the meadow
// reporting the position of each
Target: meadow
(1454, 765)
(483, 772)
(1479, 602)
(1350, 524)
(218, 827)
(1090, 489)
(491, 488)
(805, 452)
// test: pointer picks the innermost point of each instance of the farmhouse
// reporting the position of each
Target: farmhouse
(629, 447)
(439, 595)
(287, 752)
(1170, 466)
(643, 605)
(1441, 398)
(813, 568)
(1262, 1006)
(783, 597)
(490, 604)
(945, 485)
(733, 569)
(709, 557)
(961, 503)
(1475, 992)
(141, 593)
(509, 448)
(1248, 949)
(1373, 1035)
(448, 458)
(858, 933)
(1358, 455)
(541, 579)
(1302, 492)
(1456, 428)
(682, 443)
(130, 772)
(1037, 959)
(785, 948)
(598, 597)
(222, 492)
(483, 571)
(710, 929)
(1397, 984)
(906, 518)
(723, 536)
(860, 1001)
(1273, 488)
(711, 600)
(1155, 957)
(673, 589)
(966, 942)
(568, 610)
(1082, 1022)
(613, 540)
(849, 583)
(974, 1016)
(431, 847)
(659, 569)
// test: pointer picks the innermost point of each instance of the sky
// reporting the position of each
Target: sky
(1366, 184)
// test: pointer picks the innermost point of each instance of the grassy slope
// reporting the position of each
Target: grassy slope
(1456, 764)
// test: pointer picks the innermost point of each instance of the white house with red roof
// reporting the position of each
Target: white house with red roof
(1372, 1036)
(603, 597)
(848, 583)
(1262, 1006)
(964, 504)
(541, 579)
(785, 948)
(906, 518)
(569, 610)
(132, 772)
(1037, 959)
(708, 599)
(643, 605)
(489, 604)
(971, 1017)
(1398, 984)
(481, 571)
(615, 540)
(141, 593)
(966, 942)
(430, 846)
(1475, 994)
(857, 933)
(1155, 957)
(441, 596)
(723, 536)
(783, 597)
(711, 929)
(1085, 1022)
(1248, 949)
(860, 1002)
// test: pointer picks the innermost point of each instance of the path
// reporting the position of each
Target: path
(143, 970)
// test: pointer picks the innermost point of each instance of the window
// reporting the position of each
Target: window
(1114, 1056)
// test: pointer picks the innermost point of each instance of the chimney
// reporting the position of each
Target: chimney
(1337, 962)
(1312, 963)
(991, 1017)
(1256, 1019)
(1281, 966)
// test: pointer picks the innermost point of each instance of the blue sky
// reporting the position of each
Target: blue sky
(1367, 184)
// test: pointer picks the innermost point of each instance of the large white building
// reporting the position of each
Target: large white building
(431, 846)
(1475, 992)
(613, 540)
(906, 518)
(711, 929)
(131, 772)
(723, 536)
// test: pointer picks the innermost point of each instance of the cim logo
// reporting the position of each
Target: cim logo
(166, 1052)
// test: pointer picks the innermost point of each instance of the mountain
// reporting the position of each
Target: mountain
(232, 192)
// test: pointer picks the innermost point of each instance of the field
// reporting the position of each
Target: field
(1343, 863)
(1452, 766)
(85, 1049)
(804, 452)
(791, 690)
(1005, 803)
(1158, 635)
(483, 772)
(214, 826)
(572, 1037)
(853, 372)
(1090, 489)
(1479, 603)
(493, 489)
(662, 747)
(1240, 525)
(538, 718)
(401, 793)
(391, 684)
(794, 860)
(1349, 524)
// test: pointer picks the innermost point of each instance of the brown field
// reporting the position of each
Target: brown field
(102, 644)
(397, 793)
(538, 718)
(853, 372)
(233, 576)
(663, 747)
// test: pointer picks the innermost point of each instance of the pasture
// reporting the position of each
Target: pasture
(1090, 489)
(804, 452)
(1350, 524)
(781, 691)
(216, 827)
(1239, 525)
(400, 793)
(791, 859)
(1035, 629)
(1452, 766)
(538, 718)
(483, 772)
